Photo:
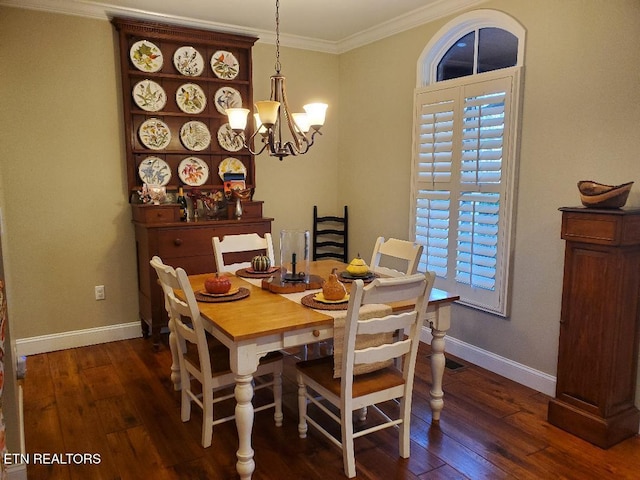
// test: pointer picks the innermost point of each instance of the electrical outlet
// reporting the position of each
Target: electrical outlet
(99, 289)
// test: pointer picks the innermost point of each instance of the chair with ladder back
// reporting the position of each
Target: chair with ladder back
(205, 359)
(330, 236)
(394, 257)
(381, 381)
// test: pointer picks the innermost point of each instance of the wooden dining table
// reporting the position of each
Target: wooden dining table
(265, 322)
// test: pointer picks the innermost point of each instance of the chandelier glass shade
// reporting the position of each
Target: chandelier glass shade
(281, 133)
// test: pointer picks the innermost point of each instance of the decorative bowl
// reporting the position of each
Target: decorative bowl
(599, 195)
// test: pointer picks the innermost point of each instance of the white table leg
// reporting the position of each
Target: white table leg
(437, 372)
(244, 423)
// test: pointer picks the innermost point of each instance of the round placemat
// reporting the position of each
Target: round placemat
(345, 277)
(310, 301)
(243, 272)
(241, 293)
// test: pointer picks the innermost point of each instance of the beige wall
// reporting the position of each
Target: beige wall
(68, 218)
(62, 158)
(580, 116)
(68, 222)
(293, 186)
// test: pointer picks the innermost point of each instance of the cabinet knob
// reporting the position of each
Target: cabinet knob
(177, 242)
(316, 333)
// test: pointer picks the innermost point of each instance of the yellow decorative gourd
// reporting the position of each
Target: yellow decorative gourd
(357, 267)
(333, 289)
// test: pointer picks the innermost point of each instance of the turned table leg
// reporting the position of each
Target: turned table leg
(244, 423)
(437, 372)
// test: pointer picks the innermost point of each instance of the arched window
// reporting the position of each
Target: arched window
(495, 33)
(482, 50)
(464, 171)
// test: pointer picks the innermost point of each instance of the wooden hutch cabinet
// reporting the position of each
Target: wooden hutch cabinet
(177, 83)
(599, 326)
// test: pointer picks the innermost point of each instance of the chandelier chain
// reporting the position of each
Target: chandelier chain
(278, 66)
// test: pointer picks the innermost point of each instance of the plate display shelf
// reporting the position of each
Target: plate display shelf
(153, 51)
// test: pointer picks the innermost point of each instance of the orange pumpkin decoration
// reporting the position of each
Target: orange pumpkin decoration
(333, 289)
(217, 284)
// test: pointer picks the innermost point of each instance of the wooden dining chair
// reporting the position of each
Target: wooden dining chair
(204, 359)
(400, 257)
(330, 237)
(247, 243)
(354, 391)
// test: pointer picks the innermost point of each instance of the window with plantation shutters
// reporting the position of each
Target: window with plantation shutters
(464, 171)
(464, 183)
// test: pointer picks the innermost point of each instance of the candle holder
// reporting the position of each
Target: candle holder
(294, 255)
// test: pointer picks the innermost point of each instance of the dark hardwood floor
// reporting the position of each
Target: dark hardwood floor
(117, 400)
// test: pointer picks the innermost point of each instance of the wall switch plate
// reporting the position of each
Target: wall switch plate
(99, 290)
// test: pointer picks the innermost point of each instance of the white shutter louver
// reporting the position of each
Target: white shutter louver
(476, 260)
(435, 142)
(483, 129)
(432, 230)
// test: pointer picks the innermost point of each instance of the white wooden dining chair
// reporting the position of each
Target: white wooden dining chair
(246, 242)
(358, 392)
(404, 253)
(204, 359)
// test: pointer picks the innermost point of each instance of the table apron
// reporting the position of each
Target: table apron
(245, 354)
(438, 318)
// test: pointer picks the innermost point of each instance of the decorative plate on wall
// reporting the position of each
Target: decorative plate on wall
(154, 171)
(149, 96)
(227, 97)
(146, 56)
(231, 165)
(193, 171)
(225, 65)
(188, 61)
(228, 139)
(195, 135)
(154, 134)
(191, 98)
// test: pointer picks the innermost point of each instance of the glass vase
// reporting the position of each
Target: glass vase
(294, 255)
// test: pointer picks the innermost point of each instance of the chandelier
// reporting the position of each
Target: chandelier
(273, 117)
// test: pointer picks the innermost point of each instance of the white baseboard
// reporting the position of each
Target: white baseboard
(77, 338)
(540, 381)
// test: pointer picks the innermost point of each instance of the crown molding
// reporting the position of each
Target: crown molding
(105, 11)
(415, 18)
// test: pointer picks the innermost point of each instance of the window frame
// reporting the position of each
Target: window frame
(427, 82)
(449, 34)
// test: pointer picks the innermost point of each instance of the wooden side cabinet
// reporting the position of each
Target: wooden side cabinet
(179, 244)
(599, 326)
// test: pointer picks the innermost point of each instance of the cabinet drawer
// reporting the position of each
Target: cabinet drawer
(156, 213)
(309, 335)
(620, 227)
(185, 242)
(590, 229)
